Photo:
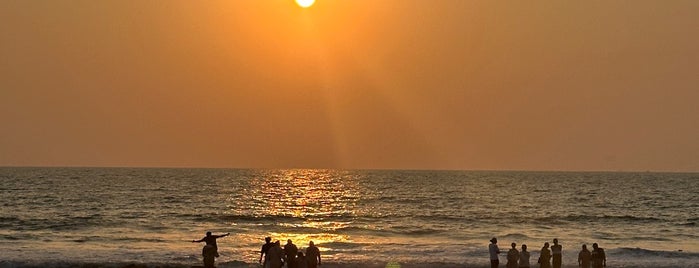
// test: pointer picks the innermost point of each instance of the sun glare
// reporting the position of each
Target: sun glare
(305, 3)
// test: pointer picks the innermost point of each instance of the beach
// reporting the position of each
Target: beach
(5, 264)
(80, 217)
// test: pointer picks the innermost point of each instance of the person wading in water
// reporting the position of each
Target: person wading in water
(210, 250)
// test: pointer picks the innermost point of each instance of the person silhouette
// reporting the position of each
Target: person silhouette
(512, 257)
(597, 257)
(494, 251)
(524, 257)
(557, 253)
(584, 257)
(268, 244)
(312, 255)
(545, 256)
(290, 250)
(301, 261)
(274, 257)
(209, 254)
(211, 240)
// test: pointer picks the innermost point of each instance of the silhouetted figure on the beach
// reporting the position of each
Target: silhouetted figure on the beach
(545, 256)
(290, 250)
(494, 251)
(274, 256)
(263, 252)
(597, 256)
(557, 254)
(584, 257)
(312, 255)
(524, 257)
(512, 257)
(301, 261)
(211, 240)
(209, 254)
(210, 250)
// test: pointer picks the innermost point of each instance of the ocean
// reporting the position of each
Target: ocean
(129, 217)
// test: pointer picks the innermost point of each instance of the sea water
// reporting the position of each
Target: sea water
(116, 217)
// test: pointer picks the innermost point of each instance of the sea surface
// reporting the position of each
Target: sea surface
(123, 217)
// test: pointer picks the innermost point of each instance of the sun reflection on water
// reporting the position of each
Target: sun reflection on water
(305, 205)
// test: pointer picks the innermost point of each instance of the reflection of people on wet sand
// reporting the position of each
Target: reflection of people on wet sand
(210, 250)
(584, 257)
(494, 251)
(512, 257)
(557, 253)
(290, 250)
(524, 257)
(599, 259)
(268, 244)
(312, 255)
(545, 256)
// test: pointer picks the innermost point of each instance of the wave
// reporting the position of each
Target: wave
(409, 231)
(690, 222)
(9, 237)
(56, 224)
(417, 231)
(578, 219)
(7, 222)
(523, 219)
(516, 236)
(247, 218)
(592, 218)
(398, 216)
(647, 253)
(335, 246)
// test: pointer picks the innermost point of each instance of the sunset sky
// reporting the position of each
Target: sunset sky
(396, 84)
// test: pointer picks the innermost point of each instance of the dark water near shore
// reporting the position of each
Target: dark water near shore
(106, 217)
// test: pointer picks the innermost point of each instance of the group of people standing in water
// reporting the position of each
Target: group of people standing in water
(272, 255)
(520, 259)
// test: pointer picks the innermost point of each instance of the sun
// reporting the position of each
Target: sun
(305, 3)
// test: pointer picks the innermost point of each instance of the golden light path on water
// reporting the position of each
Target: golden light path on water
(312, 205)
(357, 218)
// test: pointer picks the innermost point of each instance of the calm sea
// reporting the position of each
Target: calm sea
(104, 217)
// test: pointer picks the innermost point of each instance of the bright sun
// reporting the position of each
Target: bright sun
(305, 3)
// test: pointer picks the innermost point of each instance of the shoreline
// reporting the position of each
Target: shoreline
(240, 264)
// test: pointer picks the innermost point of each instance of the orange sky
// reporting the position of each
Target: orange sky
(408, 84)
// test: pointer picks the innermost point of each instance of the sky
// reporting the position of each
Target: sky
(365, 84)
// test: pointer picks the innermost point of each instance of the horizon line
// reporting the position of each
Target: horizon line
(355, 169)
